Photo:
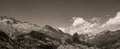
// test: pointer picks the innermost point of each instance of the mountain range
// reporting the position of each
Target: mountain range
(15, 34)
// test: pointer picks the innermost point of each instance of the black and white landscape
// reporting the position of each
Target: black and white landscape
(59, 24)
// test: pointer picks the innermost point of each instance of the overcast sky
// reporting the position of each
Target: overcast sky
(58, 13)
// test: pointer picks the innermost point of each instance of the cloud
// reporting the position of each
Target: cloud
(94, 19)
(78, 21)
(113, 23)
(92, 26)
(82, 26)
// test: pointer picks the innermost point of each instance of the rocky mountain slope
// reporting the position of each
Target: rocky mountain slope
(15, 34)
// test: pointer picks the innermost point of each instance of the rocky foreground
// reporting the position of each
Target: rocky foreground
(15, 34)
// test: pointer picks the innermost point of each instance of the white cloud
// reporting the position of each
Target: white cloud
(82, 26)
(113, 23)
(78, 21)
(93, 26)
(94, 19)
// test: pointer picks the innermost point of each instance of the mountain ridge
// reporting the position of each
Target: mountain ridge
(25, 35)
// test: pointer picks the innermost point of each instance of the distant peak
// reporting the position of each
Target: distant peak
(48, 27)
(6, 17)
(10, 18)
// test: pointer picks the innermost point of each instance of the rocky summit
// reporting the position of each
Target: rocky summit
(15, 34)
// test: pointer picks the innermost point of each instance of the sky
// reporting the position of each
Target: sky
(59, 13)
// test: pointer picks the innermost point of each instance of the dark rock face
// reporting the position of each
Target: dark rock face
(35, 40)
(106, 38)
(6, 42)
